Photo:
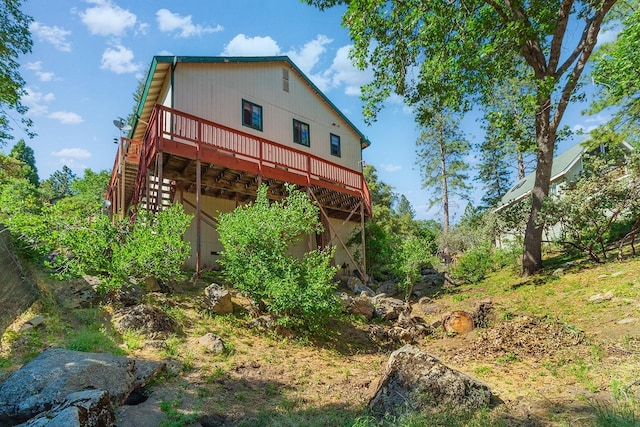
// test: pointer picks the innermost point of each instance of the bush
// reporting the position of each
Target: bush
(256, 239)
(473, 265)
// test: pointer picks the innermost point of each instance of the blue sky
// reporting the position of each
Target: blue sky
(88, 57)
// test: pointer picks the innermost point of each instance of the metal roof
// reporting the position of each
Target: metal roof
(562, 164)
(161, 65)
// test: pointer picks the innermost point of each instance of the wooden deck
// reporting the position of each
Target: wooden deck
(190, 152)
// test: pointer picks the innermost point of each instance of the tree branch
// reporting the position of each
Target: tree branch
(558, 36)
(588, 40)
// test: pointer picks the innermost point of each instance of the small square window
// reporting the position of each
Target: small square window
(301, 133)
(335, 145)
(251, 115)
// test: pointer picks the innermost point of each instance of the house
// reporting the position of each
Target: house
(209, 131)
(566, 168)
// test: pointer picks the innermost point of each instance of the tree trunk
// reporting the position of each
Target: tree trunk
(545, 139)
(521, 171)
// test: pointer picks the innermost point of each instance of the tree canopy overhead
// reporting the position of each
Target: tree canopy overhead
(15, 40)
(452, 52)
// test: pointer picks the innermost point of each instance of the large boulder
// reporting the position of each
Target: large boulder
(87, 408)
(417, 380)
(217, 299)
(429, 281)
(48, 380)
(144, 319)
(388, 308)
(363, 306)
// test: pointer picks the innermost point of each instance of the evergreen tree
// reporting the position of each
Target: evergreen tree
(441, 148)
(21, 151)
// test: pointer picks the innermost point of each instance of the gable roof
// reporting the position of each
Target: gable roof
(562, 164)
(162, 65)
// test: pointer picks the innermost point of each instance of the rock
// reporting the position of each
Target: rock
(627, 320)
(352, 282)
(48, 379)
(459, 322)
(151, 284)
(144, 319)
(414, 380)
(363, 306)
(389, 288)
(78, 293)
(360, 289)
(388, 308)
(211, 343)
(87, 408)
(127, 296)
(32, 323)
(347, 302)
(431, 279)
(218, 299)
(607, 296)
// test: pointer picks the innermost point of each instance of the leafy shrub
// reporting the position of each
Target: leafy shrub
(473, 265)
(256, 239)
(77, 238)
(415, 253)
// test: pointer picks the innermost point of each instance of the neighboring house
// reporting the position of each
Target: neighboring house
(567, 168)
(211, 130)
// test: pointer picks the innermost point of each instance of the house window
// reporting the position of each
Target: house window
(335, 145)
(251, 115)
(301, 133)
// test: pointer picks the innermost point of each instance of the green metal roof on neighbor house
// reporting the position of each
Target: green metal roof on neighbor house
(562, 164)
(161, 65)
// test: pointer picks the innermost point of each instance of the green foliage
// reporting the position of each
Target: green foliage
(78, 238)
(473, 265)
(441, 149)
(21, 151)
(154, 247)
(414, 255)
(256, 240)
(615, 74)
(391, 225)
(452, 52)
(15, 40)
(58, 185)
(587, 209)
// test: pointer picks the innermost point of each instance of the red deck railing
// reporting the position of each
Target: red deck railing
(169, 127)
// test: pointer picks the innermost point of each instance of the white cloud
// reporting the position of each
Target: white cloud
(582, 129)
(343, 72)
(309, 55)
(119, 60)
(390, 167)
(37, 102)
(242, 45)
(107, 19)
(66, 117)
(55, 35)
(43, 76)
(608, 35)
(72, 153)
(182, 26)
(34, 66)
(598, 119)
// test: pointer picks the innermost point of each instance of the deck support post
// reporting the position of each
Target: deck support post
(198, 214)
(158, 203)
(362, 237)
(342, 243)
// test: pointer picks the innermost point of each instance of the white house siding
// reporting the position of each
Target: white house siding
(215, 92)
